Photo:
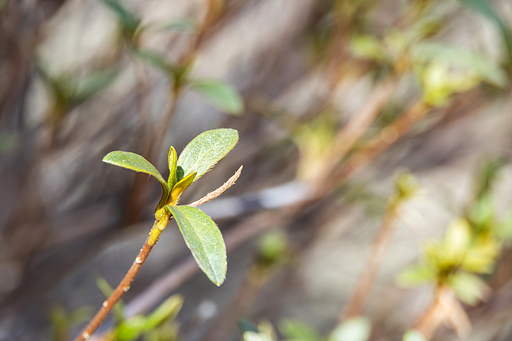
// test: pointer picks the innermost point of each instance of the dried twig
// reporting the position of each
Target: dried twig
(212, 195)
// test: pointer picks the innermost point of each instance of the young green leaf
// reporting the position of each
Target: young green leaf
(356, 329)
(166, 311)
(181, 187)
(130, 329)
(137, 163)
(473, 62)
(172, 159)
(128, 20)
(413, 335)
(416, 276)
(205, 150)
(222, 95)
(157, 61)
(204, 240)
(298, 331)
(468, 287)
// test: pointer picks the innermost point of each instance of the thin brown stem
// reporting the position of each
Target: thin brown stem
(445, 309)
(154, 234)
(212, 195)
(125, 284)
(367, 279)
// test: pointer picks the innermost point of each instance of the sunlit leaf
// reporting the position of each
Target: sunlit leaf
(135, 162)
(130, 329)
(481, 256)
(180, 187)
(468, 287)
(413, 335)
(252, 336)
(204, 240)
(205, 150)
(220, 94)
(456, 240)
(172, 160)
(298, 331)
(367, 46)
(356, 329)
(166, 311)
(504, 228)
(471, 61)
(416, 276)
(272, 246)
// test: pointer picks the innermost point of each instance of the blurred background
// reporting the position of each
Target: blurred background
(377, 186)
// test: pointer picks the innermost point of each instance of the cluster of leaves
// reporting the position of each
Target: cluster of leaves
(67, 91)
(160, 325)
(220, 94)
(356, 329)
(201, 234)
(469, 247)
(441, 69)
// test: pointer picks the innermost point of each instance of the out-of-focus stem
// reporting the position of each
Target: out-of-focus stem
(155, 144)
(444, 309)
(126, 282)
(370, 271)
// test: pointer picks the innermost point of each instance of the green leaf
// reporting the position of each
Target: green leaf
(204, 151)
(252, 336)
(137, 163)
(416, 276)
(166, 311)
(222, 95)
(413, 335)
(472, 61)
(456, 240)
(485, 8)
(128, 20)
(468, 287)
(157, 61)
(356, 329)
(367, 46)
(204, 240)
(172, 159)
(246, 326)
(298, 331)
(130, 329)
(179, 24)
(93, 84)
(181, 187)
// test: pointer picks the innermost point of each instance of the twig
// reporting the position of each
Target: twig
(125, 284)
(212, 195)
(366, 280)
(154, 235)
(444, 309)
